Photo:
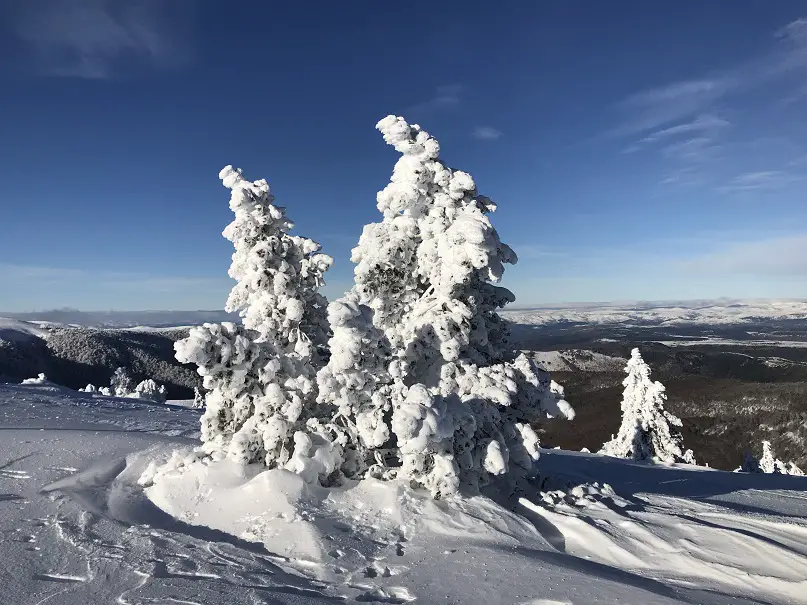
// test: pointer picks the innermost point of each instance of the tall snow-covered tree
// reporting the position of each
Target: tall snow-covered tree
(421, 371)
(260, 376)
(648, 431)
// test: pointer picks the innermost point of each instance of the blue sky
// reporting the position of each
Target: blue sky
(637, 150)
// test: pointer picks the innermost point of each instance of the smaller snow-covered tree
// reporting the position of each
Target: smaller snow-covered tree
(648, 431)
(150, 390)
(260, 377)
(768, 463)
(198, 399)
(121, 383)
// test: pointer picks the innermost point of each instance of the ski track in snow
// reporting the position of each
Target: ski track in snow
(79, 530)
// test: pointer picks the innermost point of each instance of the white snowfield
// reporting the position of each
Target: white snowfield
(710, 312)
(85, 521)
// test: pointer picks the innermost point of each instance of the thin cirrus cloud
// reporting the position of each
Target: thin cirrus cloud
(99, 39)
(685, 123)
(763, 180)
(486, 133)
(658, 107)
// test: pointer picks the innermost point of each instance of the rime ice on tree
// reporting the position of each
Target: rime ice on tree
(260, 377)
(421, 373)
(648, 431)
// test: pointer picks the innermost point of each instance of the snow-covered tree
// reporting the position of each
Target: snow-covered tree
(421, 372)
(121, 383)
(198, 399)
(648, 431)
(768, 463)
(150, 390)
(260, 377)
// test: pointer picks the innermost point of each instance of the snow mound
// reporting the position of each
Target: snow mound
(640, 538)
(40, 379)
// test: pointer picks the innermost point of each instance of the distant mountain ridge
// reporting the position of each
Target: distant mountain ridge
(125, 319)
(696, 312)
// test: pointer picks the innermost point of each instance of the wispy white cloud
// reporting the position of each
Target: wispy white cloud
(98, 39)
(702, 123)
(763, 180)
(649, 110)
(486, 133)
(445, 97)
(670, 103)
(684, 121)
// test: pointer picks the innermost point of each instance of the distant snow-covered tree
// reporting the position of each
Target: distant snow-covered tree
(768, 463)
(421, 371)
(648, 431)
(121, 383)
(260, 377)
(150, 390)
(198, 399)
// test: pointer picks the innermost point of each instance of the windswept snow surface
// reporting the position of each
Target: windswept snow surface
(78, 528)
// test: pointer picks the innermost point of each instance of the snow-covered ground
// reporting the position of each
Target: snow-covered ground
(78, 528)
(577, 360)
(713, 312)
